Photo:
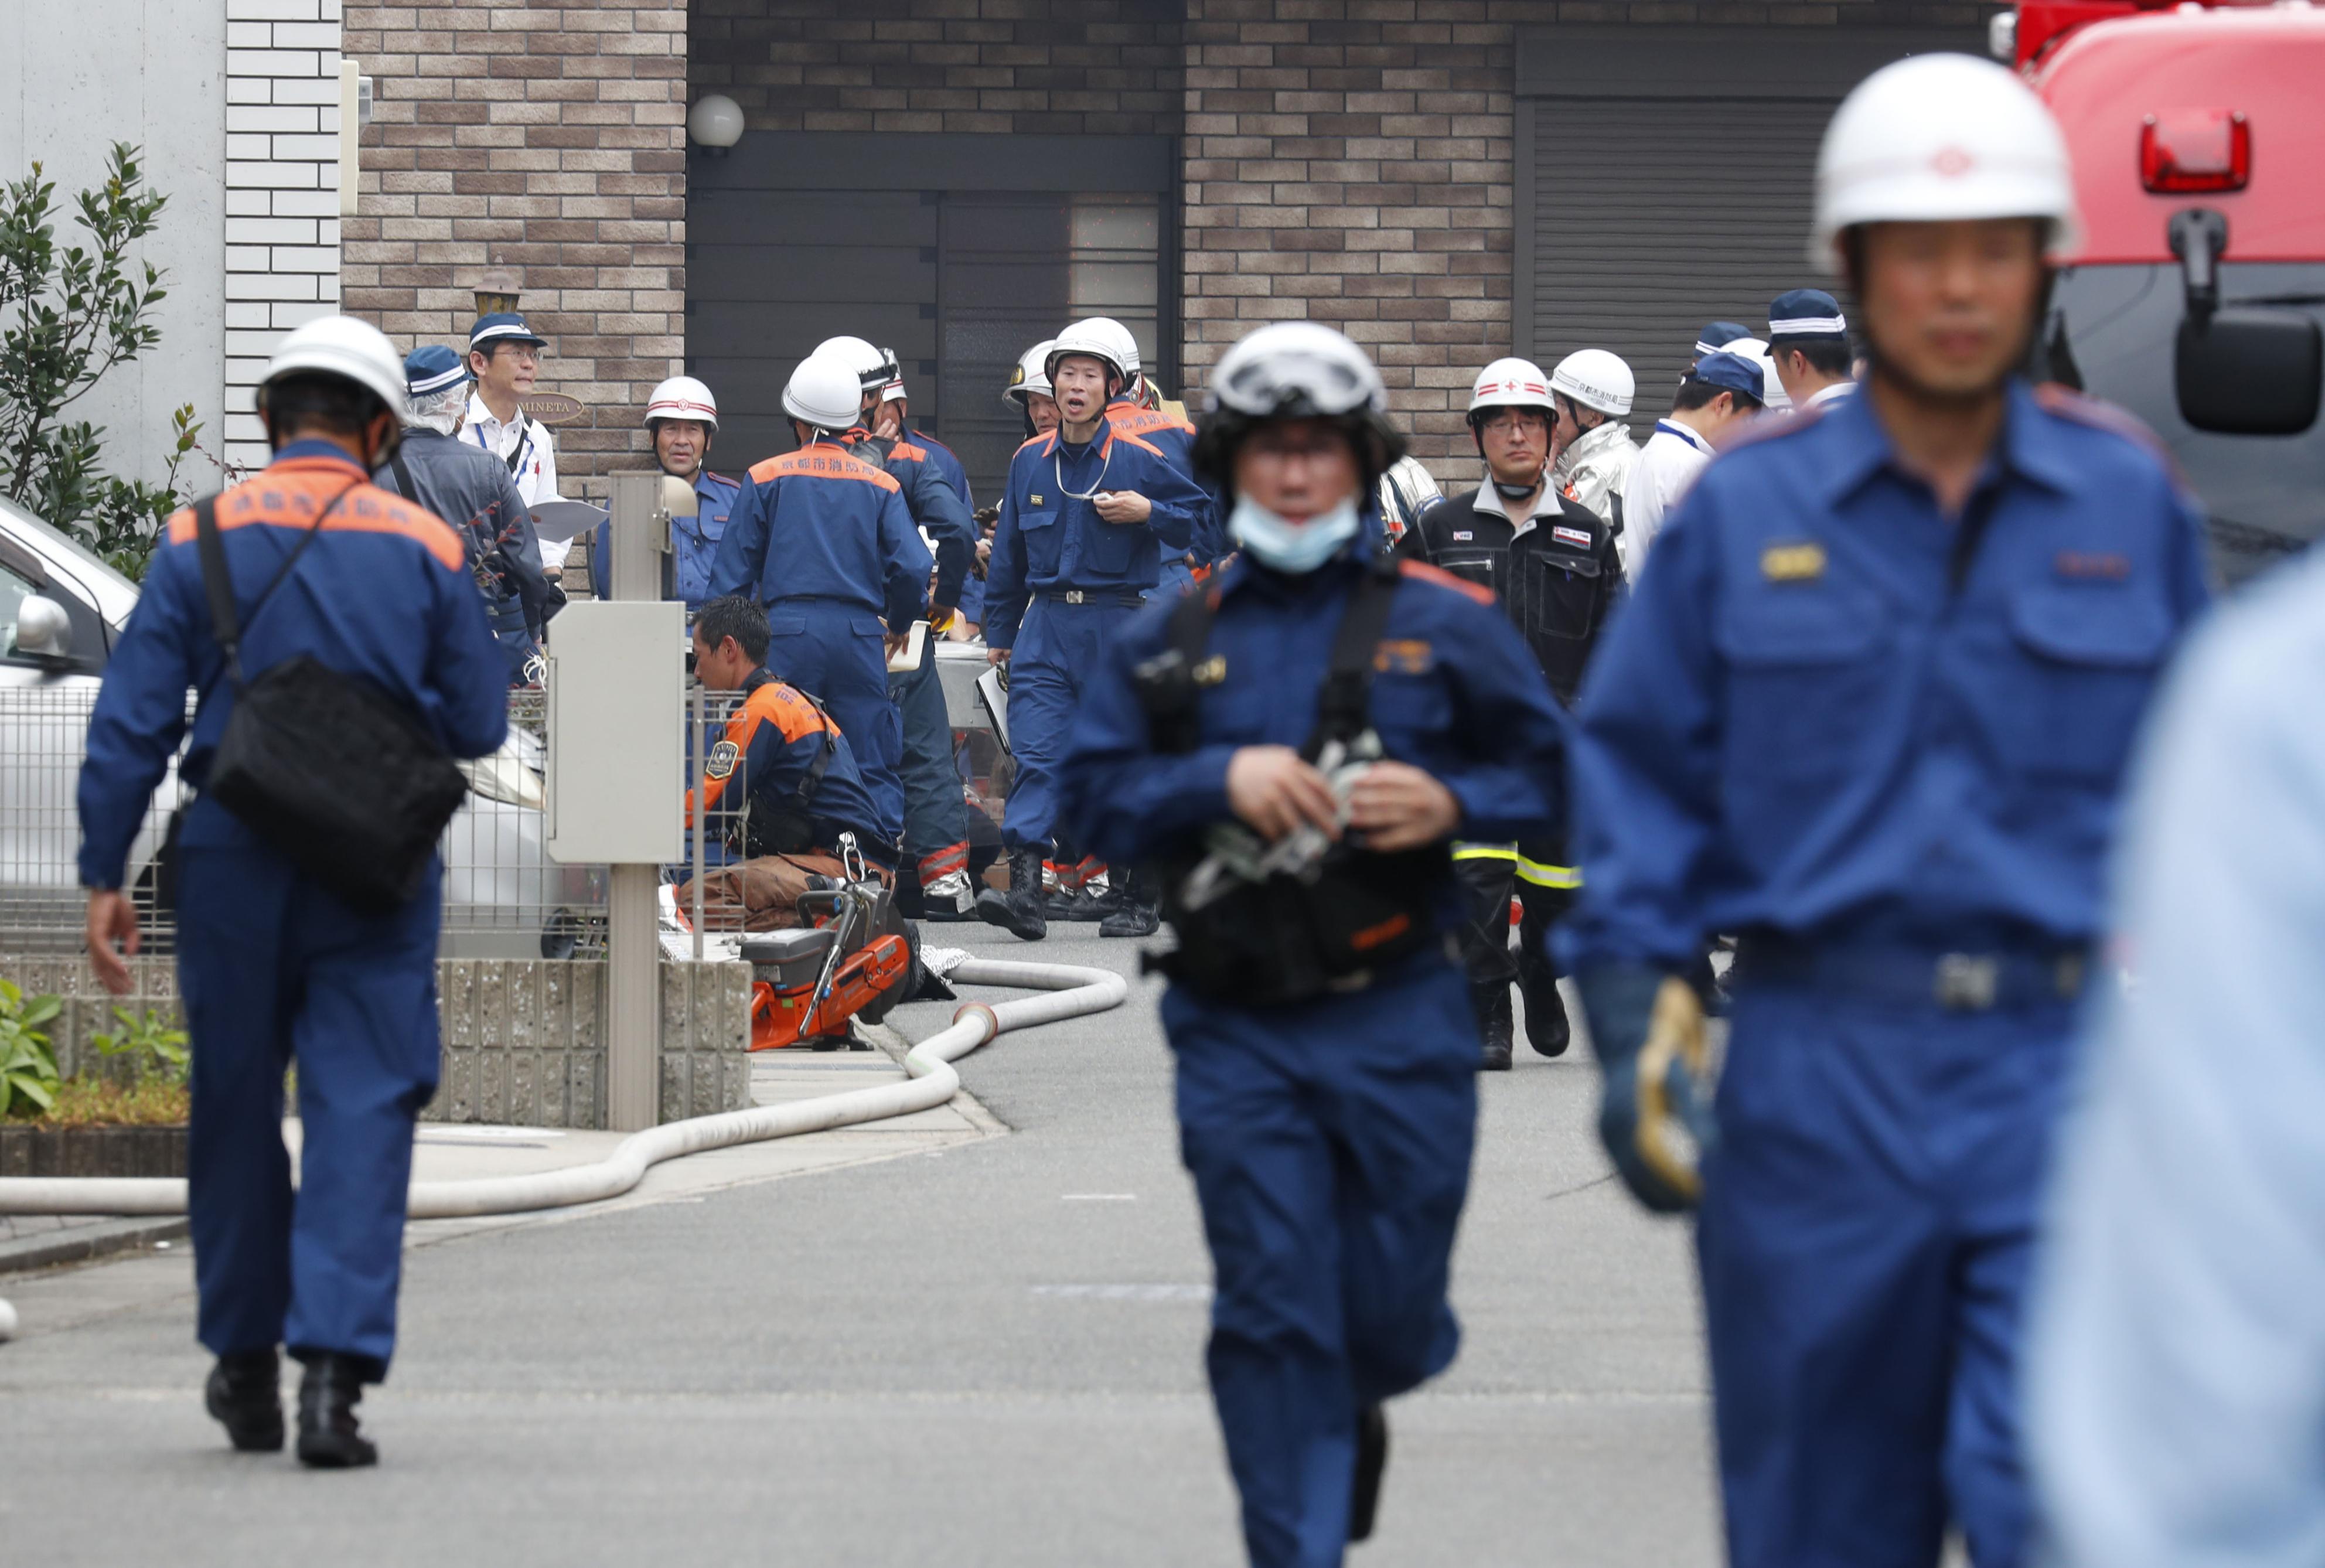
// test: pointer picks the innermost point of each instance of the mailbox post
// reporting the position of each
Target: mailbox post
(616, 767)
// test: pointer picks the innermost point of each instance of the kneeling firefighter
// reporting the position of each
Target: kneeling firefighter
(1291, 751)
(1552, 563)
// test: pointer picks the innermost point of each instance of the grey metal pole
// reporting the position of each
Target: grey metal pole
(639, 536)
(702, 809)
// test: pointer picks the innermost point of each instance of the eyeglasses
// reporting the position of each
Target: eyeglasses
(1511, 421)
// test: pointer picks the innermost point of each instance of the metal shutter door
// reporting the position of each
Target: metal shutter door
(1636, 252)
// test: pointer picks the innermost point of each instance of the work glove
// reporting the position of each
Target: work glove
(1655, 1110)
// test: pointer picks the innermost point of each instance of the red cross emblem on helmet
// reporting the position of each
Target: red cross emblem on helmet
(1953, 163)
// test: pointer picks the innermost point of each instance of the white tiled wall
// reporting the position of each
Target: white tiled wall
(282, 189)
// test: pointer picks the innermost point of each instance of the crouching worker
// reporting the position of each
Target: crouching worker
(800, 787)
(284, 950)
(1318, 707)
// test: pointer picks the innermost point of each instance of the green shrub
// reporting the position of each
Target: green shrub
(28, 1065)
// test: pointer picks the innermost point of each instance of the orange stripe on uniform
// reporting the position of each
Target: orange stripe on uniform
(291, 497)
(782, 706)
(831, 463)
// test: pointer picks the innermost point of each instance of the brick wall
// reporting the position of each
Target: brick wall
(1351, 161)
(983, 67)
(549, 134)
(283, 192)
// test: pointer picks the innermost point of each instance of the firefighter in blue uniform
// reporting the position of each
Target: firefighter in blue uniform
(936, 818)
(1084, 526)
(472, 491)
(1327, 1052)
(682, 419)
(823, 540)
(1871, 711)
(274, 967)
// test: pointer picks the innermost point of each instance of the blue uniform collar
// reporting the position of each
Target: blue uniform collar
(309, 452)
(2028, 447)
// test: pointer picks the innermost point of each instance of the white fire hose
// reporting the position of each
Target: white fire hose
(1072, 991)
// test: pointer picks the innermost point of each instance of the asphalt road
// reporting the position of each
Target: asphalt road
(990, 1354)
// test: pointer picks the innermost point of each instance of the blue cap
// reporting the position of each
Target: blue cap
(1718, 334)
(501, 327)
(1807, 313)
(432, 369)
(1733, 372)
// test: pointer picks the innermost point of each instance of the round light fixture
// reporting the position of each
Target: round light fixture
(715, 122)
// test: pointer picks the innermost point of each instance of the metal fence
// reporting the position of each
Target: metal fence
(504, 897)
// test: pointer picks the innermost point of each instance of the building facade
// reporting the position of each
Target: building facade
(1447, 180)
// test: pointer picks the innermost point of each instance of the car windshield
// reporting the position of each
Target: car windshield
(2264, 496)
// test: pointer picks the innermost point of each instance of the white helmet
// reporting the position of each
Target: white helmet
(1594, 378)
(682, 397)
(1031, 375)
(826, 392)
(350, 349)
(1755, 350)
(1941, 137)
(873, 366)
(1510, 383)
(1295, 370)
(1098, 337)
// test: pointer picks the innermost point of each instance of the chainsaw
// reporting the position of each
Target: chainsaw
(852, 956)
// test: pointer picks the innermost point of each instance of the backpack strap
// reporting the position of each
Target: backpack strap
(218, 579)
(1344, 709)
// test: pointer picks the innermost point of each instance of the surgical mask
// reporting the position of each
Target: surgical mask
(1286, 546)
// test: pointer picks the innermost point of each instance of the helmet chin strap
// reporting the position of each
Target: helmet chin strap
(1509, 492)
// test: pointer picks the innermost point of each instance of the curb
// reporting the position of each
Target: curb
(86, 1243)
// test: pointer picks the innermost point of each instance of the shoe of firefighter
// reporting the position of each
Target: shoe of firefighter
(1134, 918)
(1547, 1028)
(330, 1436)
(1492, 1006)
(1018, 911)
(946, 898)
(244, 1396)
(1372, 1460)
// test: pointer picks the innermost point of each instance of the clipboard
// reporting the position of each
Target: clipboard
(993, 691)
(559, 521)
(916, 643)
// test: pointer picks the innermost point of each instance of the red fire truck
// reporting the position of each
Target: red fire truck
(2198, 133)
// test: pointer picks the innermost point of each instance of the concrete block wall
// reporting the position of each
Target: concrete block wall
(548, 136)
(283, 191)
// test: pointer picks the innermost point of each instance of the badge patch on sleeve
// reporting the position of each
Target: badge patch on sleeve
(1577, 537)
(2092, 566)
(1405, 655)
(1802, 562)
(722, 760)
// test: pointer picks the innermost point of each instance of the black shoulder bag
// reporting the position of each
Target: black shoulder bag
(326, 768)
(1288, 940)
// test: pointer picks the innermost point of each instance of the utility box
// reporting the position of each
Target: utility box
(616, 733)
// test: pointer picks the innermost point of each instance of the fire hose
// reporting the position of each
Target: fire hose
(1069, 992)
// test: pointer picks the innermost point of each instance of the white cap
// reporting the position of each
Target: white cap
(1031, 375)
(873, 366)
(826, 392)
(350, 349)
(1937, 137)
(1510, 383)
(1595, 378)
(1773, 394)
(1100, 338)
(682, 397)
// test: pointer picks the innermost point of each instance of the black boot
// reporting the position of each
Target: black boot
(244, 1396)
(1546, 1026)
(1018, 911)
(328, 1437)
(1372, 1459)
(1493, 1005)
(1139, 912)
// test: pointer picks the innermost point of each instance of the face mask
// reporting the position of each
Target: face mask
(1296, 548)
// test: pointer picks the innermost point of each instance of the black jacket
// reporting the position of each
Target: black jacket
(1557, 579)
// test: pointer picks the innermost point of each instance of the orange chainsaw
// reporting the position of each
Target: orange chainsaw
(852, 956)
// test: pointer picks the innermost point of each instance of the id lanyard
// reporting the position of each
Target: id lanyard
(1057, 469)
(523, 443)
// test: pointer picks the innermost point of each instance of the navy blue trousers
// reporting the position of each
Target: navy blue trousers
(1330, 1144)
(276, 969)
(1868, 1219)
(832, 651)
(1056, 646)
(936, 818)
